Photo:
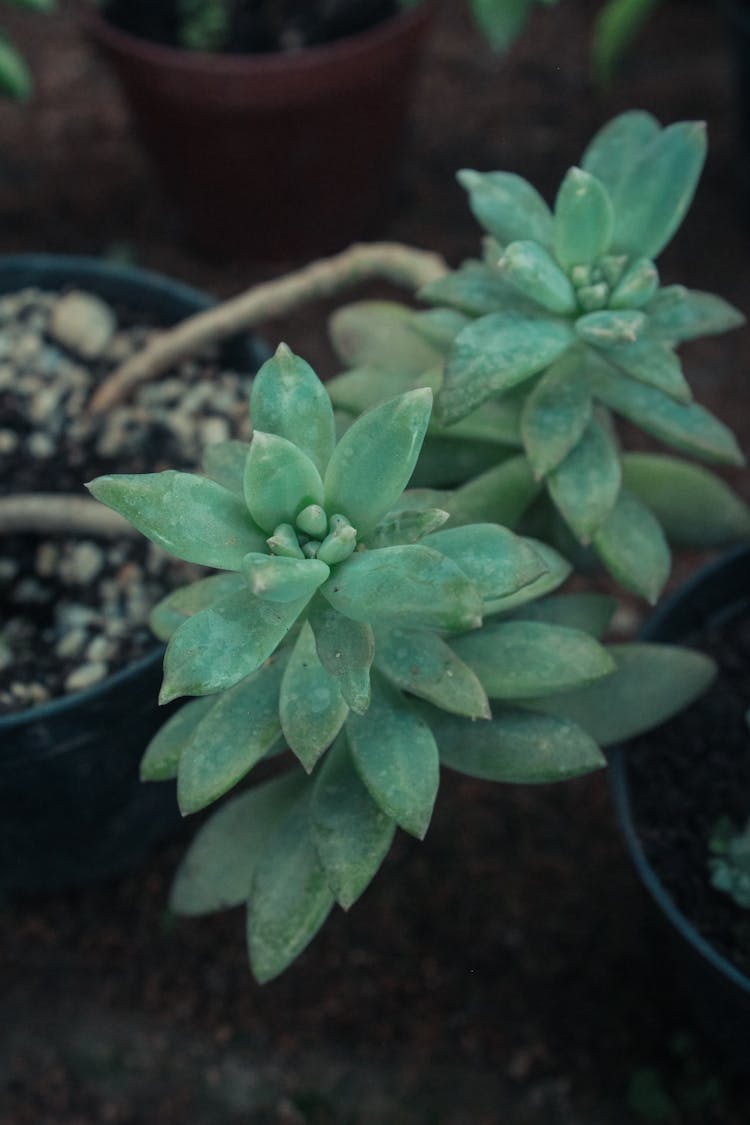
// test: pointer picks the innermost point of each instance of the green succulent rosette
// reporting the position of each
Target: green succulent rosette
(563, 325)
(350, 624)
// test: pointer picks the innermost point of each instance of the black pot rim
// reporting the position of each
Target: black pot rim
(653, 631)
(35, 269)
(320, 55)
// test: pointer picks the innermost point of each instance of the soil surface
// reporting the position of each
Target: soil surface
(503, 971)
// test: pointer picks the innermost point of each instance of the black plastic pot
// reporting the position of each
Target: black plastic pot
(72, 808)
(717, 991)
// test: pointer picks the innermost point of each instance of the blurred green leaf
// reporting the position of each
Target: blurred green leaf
(311, 707)
(280, 480)
(288, 400)
(422, 663)
(584, 219)
(632, 546)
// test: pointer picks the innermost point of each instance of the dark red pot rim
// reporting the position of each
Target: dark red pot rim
(713, 590)
(374, 39)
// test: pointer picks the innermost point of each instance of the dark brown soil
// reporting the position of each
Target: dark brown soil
(501, 972)
(685, 781)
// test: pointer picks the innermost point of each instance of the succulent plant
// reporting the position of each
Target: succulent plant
(729, 863)
(562, 325)
(349, 624)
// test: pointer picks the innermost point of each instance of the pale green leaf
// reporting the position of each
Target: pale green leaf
(636, 287)
(496, 422)
(277, 578)
(651, 682)
(226, 642)
(617, 146)
(224, 463)
(558, 569)
(364, 387)
(684, 426)
(381, 335)
(475, 289)
(535, 273)
(617, 25)
(658, 188)
(497, 561)
(411, 584)
(406, 526)
(420, 662)
(499, 495)
(556, 414)
(507, 206)
(395, 754)
(280, 480)
(585, 486)
(587, 611)
(162, 756)
(444, 462)
(584, 219)
(345, 649)
(695, 507)
(676, 314)
(517, 746)
(375, 458)
(653, 362)
(288, 400)
(524, 659)
(239, 730)
(493, 355)
(191, 517)
(632, 546)
(218, 867)
(172, 611)
(289, 896)
(501, 21)
(351, 833)
(311, 706)
(611, 328)
(440, 326)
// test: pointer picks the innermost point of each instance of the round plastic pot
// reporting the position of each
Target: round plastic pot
(72, 808)
(717, 991)
(272, 156)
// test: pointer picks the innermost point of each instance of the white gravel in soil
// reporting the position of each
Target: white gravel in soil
(74, 610)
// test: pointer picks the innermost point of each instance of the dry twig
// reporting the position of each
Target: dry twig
(53, 513)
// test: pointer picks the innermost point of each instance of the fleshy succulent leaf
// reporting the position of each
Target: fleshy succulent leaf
(611, 328)
(632, 546)
(535, 273)
(650, 683)
(345, 649)
(173, 610)
(474, 289)
(193, 518)
(441, 326)
(362, 388)
(584, 219)
(288, 400)
(412, 584)
(676, 313)
(585, 486)
(395, 754)
(218, 867)
(406, 526)
(240, 729)
(351, 833)
(497, 561)
(507, 206)
(558, 569)
(381, 335)
(671, 165)
(289, 895)
(280, 480)
(684, 426)
(653, 362)
(636, 287)
(587, 611)
(226, 642)
(276, 578)
(695, 507)
(224, 463)
(375, 458)
(494, 354)
(518, 747)
(499, 495)
(420, 662)
(162, 756)
(524, 659)
(555, 415)
(617, 146)
(311, 706)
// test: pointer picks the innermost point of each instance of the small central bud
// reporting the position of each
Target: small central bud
(340, 541)
(284, 542)
(313, 521)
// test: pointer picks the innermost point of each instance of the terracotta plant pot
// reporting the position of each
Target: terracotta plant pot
(717, 990)
(272, 156)
(72, 808)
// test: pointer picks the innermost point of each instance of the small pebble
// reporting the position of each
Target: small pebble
(100, 649)
(71, 644)
(40, 445)
(46, 560)
(85, 562)
(83, 323)
(86, 676)
(9, 441)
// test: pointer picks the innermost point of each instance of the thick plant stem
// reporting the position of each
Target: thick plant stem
(404, 266)
(54, 513)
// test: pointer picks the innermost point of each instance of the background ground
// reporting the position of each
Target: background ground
(502, 972)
